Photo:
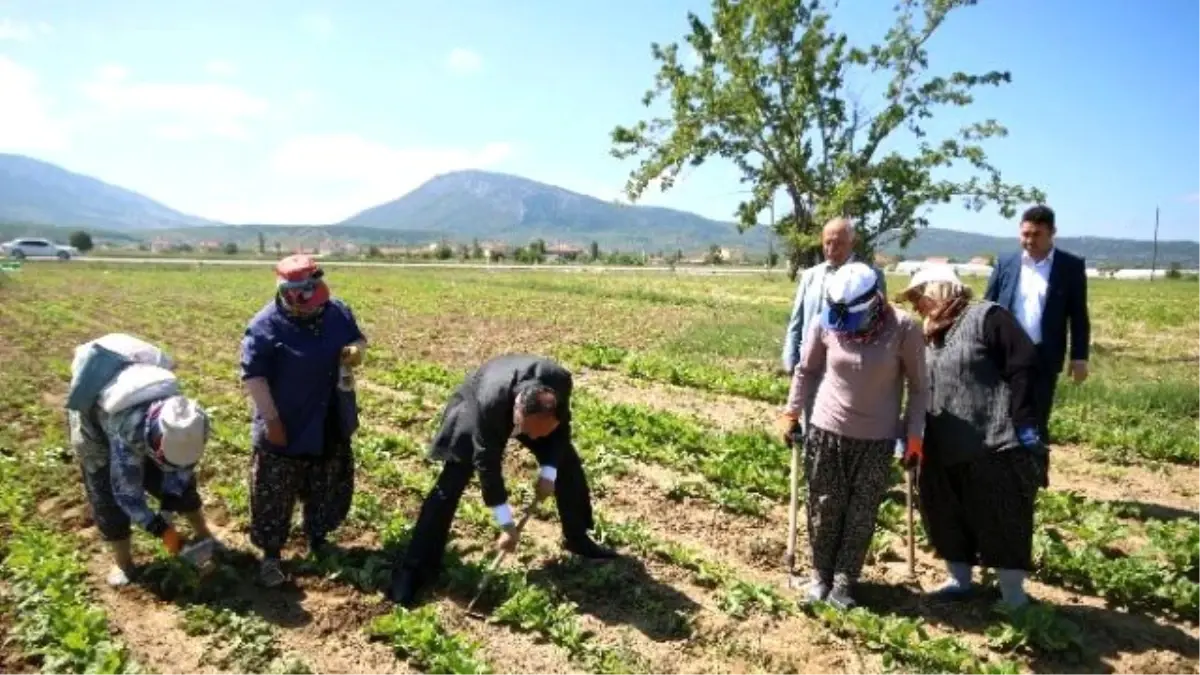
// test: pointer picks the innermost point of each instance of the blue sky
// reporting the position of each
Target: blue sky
(289, 112)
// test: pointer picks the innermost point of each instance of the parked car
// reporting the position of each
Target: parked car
(37, 248)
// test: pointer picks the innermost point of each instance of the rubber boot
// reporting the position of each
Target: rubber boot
(958, 586)
(270, 570)
(1012, 588)
(839, 596)
(818, 588)
(123, 568)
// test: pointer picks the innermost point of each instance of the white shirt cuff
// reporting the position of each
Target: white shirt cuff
(502, 514)
(550, 473)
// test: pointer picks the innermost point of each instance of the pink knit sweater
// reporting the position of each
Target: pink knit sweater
(858, 387)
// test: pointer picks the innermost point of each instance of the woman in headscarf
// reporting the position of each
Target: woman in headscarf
(136, 434)
(297, 353)
(983, 461)
(854, 368)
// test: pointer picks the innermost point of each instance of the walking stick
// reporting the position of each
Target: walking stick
(487, 576)
(912, 554)
(793, 507)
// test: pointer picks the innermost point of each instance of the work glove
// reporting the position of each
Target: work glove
(1032, 441)
(786, 427)
(914, 452)
(171, 540)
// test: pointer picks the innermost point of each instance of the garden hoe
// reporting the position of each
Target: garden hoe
(912, 549)
(487, 576)
(793, 508)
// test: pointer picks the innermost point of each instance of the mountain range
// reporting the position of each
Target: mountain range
(41, 199)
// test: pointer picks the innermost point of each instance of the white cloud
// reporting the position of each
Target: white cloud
(328, 178)
(220, 68)
(317, 24)
(23, 31)
(25, 122)
(1192, 198)
(463, 61)
(180, 110)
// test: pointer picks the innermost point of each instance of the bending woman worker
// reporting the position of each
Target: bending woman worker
(854, 366)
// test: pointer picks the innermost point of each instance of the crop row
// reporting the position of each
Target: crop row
(752, 466)
(1154, 421)
(55, 620)
(600, 436)
(736, 597)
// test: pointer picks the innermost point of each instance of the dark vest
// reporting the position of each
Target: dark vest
(969, 412)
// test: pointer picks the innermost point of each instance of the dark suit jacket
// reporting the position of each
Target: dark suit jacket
(478, 420)
(1066, 304)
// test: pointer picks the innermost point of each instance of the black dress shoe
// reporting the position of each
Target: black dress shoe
(587, 548)
(404, 588)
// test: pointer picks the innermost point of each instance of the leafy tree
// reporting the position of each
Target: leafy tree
(374, 252)
(715, 255)
(769, 92)
(230, 248)
(772, 255)
(262, 243)
(476, 249)
(443, 251)
(594, 251)
(81, 240)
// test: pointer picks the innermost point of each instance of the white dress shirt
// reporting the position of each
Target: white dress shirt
(1032, 287)
(503, 512)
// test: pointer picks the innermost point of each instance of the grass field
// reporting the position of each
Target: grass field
(677, 388)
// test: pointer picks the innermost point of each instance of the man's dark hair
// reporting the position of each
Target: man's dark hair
(537, 399)
(1039, 215)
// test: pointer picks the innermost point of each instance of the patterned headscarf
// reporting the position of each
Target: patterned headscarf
(855, 307)
(300, 285)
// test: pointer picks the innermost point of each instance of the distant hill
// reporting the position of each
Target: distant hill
(466, 205)
(1098, 251)
(34, 192)
(41, 199)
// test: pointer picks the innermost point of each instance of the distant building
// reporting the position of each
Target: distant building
(563, 252)
(494, 250)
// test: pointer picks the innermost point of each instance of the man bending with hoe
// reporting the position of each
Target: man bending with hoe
(512, 396)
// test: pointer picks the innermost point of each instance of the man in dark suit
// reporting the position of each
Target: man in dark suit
(511, 396)
(1046, 289)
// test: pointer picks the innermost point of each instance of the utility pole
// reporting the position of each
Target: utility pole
(1154, 257)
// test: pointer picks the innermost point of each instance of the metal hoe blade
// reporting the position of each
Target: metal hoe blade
(487, 576)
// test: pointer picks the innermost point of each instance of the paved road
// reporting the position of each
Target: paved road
(595, 269)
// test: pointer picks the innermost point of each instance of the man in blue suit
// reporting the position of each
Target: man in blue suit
(1046, 289)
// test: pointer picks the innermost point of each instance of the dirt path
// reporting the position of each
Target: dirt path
(1169, 485)
(723, 411)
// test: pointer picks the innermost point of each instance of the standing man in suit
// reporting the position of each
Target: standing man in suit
(837, 245)
(511, 396)
(1046, 289)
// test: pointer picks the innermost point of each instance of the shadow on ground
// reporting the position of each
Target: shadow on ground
(1080, 636)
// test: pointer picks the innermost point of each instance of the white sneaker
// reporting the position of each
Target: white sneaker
(117, 577)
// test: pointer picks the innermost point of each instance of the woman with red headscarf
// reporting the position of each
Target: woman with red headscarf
(296, 356)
